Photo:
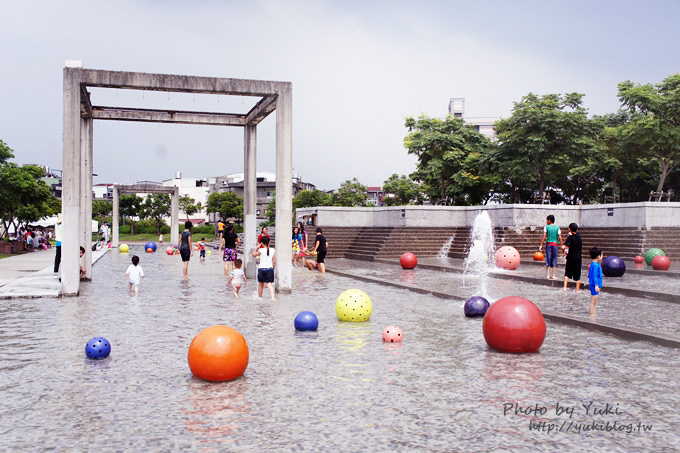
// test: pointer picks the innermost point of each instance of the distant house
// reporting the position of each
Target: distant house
(483, 125)
(376, 196)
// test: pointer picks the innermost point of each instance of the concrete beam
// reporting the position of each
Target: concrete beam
(284, 188)
(115, 235)
(168, 116)
(249, 199)
(261, 110)
(85, 104)
(179, 83)
(145, 188)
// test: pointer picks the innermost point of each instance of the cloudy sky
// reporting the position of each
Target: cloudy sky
(358, 69)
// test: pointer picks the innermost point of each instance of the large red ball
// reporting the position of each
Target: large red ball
(218, 353)
(661, 263)
(514, 324)
(408, 260)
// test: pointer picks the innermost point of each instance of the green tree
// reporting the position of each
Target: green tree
(538, 144)
(155, 207)
(307, 198)
(24, 197)
(271, 210)
(6, 152)
(227, 204)
(401, 190)
(656, 132)
(448, 153)
(101, 208)
(189, 206)
(350, 193)
(130, 207)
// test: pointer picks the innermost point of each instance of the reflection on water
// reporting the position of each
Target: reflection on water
(339, 388)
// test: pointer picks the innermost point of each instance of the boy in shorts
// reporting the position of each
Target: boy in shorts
(595, 277)
(320, 248)
(553, 239)
(201, 247)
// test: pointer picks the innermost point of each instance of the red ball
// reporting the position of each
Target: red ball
(408, 260)
(514, 324)
(149, 250)
(507, 258)
(539, 256)
(661, 263)
(639, 259)
(170, 250)
(218, 353)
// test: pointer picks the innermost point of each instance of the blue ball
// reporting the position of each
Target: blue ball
(476, 306)
(98, 348)
(613, 266)
(150, 245)
(306, 320)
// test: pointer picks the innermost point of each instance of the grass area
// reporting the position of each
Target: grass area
(3, 255)
(142, 238)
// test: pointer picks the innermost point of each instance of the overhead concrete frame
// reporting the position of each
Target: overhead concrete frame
(79, 114)
(146, 188)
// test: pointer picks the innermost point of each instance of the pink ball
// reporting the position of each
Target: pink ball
(514, 324)
(392, 334)
(639, 259)
(170, 250)
(408, 260)
(507, 258)
(661, 263)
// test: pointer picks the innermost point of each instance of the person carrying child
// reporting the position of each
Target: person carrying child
(595, 277)
(134, 275)
(572, 250)
(236, 278)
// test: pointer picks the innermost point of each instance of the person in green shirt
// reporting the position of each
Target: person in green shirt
(552, 237)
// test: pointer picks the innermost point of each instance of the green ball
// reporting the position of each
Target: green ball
(651, 253)
(353, 305)
(123, 248)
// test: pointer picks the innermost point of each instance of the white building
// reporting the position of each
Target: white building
(483, 125)
(193, 188)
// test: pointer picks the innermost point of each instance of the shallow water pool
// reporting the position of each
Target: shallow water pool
(340, 388)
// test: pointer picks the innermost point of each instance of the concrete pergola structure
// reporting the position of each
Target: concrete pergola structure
(146, 188)
(79, 114)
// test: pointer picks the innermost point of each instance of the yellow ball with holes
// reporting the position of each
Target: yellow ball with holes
(353, 305)
(123, 248)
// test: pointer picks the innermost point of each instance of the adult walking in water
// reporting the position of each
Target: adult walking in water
(229, 243)
(186, 250)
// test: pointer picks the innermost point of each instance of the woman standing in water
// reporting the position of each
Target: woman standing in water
(186, 251)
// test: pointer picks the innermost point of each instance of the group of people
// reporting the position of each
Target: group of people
(34, 239)
(572, 249)
(263, 253)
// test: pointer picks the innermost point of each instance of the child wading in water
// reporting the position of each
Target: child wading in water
(265, 274)
(595, 278)
(133, 275)
(572, 250)
(236, 278)
(201, 247)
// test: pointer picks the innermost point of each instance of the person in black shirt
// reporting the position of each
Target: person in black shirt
(572, 249)
(229, 242)
(321, 248)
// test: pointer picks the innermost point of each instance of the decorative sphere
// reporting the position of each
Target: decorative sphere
(123, 248)
(408, 260)
(98, 348)
(392, 334)
(353, 305)
(639, 259)
(661, 263)
(170, 250)
(218, 353)
(306, 320)
(150, 245)
(209, 252)
(507, 258)
(475, 306)
(651, 253)
(514, 324)
(539, 256)
(613, 266)
(149, 250)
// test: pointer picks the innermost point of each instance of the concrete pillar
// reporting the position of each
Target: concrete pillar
(249, 200)
(174, 217)
(115, 234)
(71, 175)
(284, 188)
(86, 168)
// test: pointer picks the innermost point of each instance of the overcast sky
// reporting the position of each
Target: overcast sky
(358, 69)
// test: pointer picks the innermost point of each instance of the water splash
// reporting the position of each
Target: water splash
(444, 251)
(480, 260)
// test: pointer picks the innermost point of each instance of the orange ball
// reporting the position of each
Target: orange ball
(149, 250)
(218, 353)
(539, 256)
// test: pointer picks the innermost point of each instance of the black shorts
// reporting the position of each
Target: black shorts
(265, 275)
(573, 270)
(320, 257)
(185, 254)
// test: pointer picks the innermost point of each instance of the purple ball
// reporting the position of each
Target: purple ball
(613, 266)
(476, 306)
